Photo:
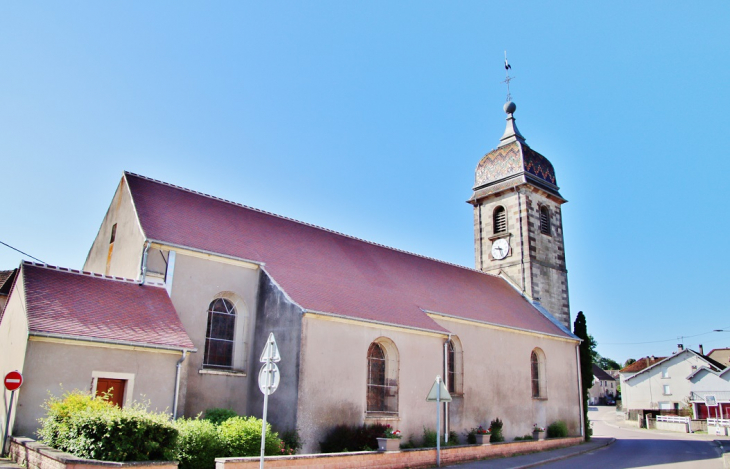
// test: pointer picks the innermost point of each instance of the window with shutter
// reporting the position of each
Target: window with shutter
(500, 220)
(544, 220)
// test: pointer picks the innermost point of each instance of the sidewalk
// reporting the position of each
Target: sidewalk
(6, 463)
(536, 459)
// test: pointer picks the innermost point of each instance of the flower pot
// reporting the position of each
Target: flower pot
(388, 444)
(482, 439)
(536, 436)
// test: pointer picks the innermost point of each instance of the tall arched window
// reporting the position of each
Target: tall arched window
(454, 374)
(500, 220)
(382, 391)
(537, 367)
(544, 220)
(219, 334)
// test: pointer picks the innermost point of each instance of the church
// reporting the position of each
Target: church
(180, 291)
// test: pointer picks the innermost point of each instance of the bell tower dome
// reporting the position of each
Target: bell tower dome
(518, 224)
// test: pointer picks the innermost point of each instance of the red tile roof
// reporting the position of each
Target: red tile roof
(329, 272)
(65, 302)
(641, 364)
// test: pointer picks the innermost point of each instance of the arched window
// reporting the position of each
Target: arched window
(454, 374)
(537, 367)
(219, 334)
(544, 220)
(382, 391)
(500, 220)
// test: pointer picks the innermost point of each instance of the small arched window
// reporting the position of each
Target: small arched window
(544, 220)
(454, 374)
(500, 220)
(382, 390)
(537, 368)
(219, 334)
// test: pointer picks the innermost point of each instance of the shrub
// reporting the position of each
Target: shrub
(291, 441)
(352, 438)
(557, 429)
(429, 439)
(218, 415)
(496, 428)
(94, 429)
(524, 438)
(198, 444)
(241, 436)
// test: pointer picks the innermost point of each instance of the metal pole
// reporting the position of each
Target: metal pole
(438, 421)
(266, 407)
(7, 423)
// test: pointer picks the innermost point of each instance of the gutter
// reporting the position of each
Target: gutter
(580, 391)
(175, 397)
(112, 342)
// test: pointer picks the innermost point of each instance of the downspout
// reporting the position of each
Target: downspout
(178, 366)
(143, 267)
(481, 236)
(522, 240)
(446, 384)
(580, 390)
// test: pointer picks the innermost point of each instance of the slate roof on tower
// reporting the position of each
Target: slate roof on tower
(66, 303)
(328, 272)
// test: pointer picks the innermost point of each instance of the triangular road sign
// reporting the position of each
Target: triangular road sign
(271, 351)
(432, 394)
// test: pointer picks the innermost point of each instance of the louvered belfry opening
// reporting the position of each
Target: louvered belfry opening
(500, 220)
(544, 220)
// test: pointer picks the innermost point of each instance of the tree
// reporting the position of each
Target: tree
(580, 329)
(630, 361)
(608, 364)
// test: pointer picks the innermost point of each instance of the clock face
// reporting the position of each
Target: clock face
(500, 248)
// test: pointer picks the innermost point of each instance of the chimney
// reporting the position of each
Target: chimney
(702, 350)
(680, 347)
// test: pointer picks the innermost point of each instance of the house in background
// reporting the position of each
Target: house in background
(721, 355)
(604, 386)
(661, 383)
(710, 387)
(6, 281)
(363, 329)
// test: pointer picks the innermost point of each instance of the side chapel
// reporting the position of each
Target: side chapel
(180, 291)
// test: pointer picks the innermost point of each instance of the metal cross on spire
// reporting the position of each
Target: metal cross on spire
(507, 68)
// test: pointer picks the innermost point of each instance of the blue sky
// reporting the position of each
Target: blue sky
(369, 118)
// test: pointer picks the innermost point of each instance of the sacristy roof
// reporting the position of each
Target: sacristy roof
(328, 272)
(72, 304)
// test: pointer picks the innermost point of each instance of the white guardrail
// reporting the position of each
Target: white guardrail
(672, 419)
(718, 422)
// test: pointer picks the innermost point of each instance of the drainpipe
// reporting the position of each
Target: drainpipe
(143, 267)
(446, 383)
(580, 390)
(178, 365)
(522, 241)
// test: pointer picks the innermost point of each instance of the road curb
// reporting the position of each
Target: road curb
(566, 456)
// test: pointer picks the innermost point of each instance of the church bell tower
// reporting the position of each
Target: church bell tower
(518, 225)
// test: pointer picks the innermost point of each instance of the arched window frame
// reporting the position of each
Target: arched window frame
(238, 352)
(382, 378)
(537, 374)
(454, 366)
(499, 220)
(220, 334)
(545, 225)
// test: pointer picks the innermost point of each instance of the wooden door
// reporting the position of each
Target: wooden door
(113, 387)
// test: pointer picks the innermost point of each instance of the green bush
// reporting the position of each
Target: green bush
(496, 428)
(352, 438)
(94, 429)
(218, 415)
(524, 438)
(198, 444)
(429, 439)
(241, 436)
(291, 441)
(557, 429)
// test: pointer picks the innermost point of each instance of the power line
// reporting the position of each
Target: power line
(23, 253)
(724, 329)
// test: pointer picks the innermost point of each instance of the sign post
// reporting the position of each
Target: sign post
(438, 394)
(12, 381)
(268, 382)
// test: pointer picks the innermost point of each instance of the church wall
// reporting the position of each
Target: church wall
(13, 344)
(196, 283)
(497, 380)
(333, 377)
(123, 257)
(47, 370)
(276, 313)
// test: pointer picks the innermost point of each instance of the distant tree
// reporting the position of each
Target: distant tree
(628, 362)
(595, 356)
(608, 364)
(587, 346)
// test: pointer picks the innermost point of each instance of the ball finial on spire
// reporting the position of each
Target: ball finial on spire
(510, 107)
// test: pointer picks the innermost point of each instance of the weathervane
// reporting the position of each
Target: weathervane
(507, 68)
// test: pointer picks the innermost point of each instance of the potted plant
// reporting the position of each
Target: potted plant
(482, 435)
(390, 440)
(536, 430)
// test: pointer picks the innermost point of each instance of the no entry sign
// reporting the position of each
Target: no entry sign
(13, 380)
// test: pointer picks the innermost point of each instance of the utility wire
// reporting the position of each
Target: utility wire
(724, 329)
(23, 253)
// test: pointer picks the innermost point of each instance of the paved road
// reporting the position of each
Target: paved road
(643, 448)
